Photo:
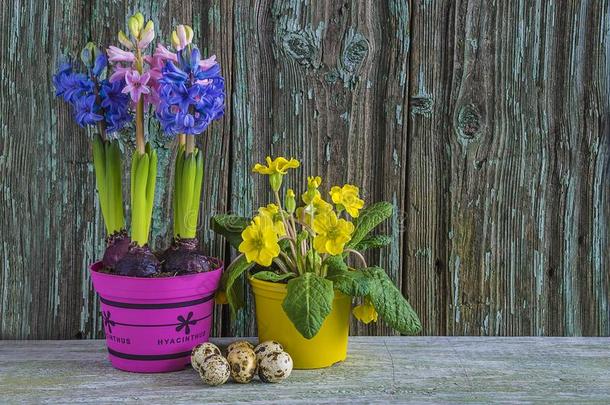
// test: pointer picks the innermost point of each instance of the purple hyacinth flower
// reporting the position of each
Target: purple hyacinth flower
(86, 111)
(100, 64)
(191, 97)
(60, 78)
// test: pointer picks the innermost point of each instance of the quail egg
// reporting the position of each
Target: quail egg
(243, 364)
(215, 370)
(268, 346)
(201, 352)
(274, 367)
(239, 343)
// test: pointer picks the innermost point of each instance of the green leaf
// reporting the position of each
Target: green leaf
(138, 211)
(301, 237)
(352, 282)
(197, 190)
(284, 245)
(114, 185)
(230, 226)
(308, 302)
(389, 302)
(373, 242)
(335, 263)
(272, 276)
(135, 160)
(188, 184)
(229, 277)
(99, 163)
(177, 190)
(369, 218)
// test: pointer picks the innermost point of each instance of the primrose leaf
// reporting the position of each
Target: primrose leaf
(389, 302)
(308, 302)
(373, 242)
(351, 282)
(368, 219)
(233, 290)
(230, 226)
(272, 276)
(284, 245)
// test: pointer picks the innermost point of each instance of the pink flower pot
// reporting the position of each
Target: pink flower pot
(152, 324)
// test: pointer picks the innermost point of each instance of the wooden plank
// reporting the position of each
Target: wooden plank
(43, 216)
(378, 370)
(484, 123)
(326, 83)
(508, 148)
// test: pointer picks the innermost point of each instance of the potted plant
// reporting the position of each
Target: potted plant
(153, 314)
(302, 280)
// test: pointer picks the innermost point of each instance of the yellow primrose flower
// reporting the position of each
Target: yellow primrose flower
(365, 312)
(314, 182)
(272, 211)
(347, 198)
(312, 189)
(276, 169)
(279, 165)
(317, 207)
(332, 233)
(260, 243)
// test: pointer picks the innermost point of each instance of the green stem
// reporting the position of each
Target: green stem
(358, 255)
(289, 230)
(281, 265)
(290, 263)
(190, 144)
(140, 143)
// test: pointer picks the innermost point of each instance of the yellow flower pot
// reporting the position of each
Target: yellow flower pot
(328, 347)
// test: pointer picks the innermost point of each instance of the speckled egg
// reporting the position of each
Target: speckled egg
(201, 352)
(274, 367)
(238, 344)
(215, 370)
(243, 364)
(269, 346)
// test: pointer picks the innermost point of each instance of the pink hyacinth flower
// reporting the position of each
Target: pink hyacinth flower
(119, 73)
(118, 55)
(136, 84)
(156, 66)
(153, 98)
(205, 64)
(146, 39)
(165, 54)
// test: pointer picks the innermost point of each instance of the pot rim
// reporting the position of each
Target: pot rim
(98, 264)
(283, 288)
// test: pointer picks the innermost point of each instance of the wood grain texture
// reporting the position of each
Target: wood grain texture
(486, 124)
(377, 370)
(508, 211)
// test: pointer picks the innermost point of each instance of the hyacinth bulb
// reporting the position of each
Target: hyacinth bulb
(139, 261)
(117, 246)
(183, 257)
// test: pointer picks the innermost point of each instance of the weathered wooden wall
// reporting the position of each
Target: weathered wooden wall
(486, 123)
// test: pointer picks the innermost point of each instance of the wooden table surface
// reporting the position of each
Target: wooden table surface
(378, 369)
